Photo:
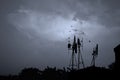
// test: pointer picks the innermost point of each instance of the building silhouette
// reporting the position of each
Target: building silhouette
(117, 57)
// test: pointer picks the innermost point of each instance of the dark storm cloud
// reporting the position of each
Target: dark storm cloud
(7, 6)
(106, 11)
(112, 13)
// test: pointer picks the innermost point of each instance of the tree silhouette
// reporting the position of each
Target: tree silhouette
(30, 74)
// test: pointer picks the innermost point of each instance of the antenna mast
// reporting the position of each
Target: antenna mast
(94, 54)
(76, 49)
(80, 58)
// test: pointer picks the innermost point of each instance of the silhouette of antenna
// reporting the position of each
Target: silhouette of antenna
(94, 54)
(76, 49)
(72, 47)
(80, 58)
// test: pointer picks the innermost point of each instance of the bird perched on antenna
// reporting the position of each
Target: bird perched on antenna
(69, 45)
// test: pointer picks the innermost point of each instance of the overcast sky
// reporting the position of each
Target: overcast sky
(34, 33)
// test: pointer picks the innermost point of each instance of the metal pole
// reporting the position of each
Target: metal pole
(72, 60)
(79, 59)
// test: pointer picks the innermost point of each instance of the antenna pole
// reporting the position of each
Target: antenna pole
(80, 59)
(94, 54)
(76, 50)
(72, 60)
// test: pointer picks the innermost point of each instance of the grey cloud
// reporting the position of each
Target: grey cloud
(107, 11)
(8, 6)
